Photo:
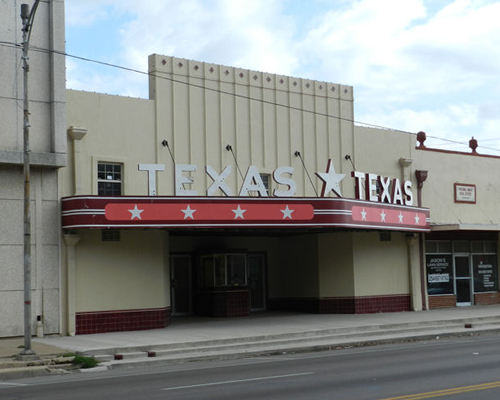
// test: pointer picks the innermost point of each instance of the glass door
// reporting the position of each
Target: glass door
(180, 284)
(463, 280)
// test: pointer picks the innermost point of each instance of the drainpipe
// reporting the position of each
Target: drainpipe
(421, 177)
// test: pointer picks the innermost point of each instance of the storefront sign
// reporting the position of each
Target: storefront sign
(368, 186)
(439, 274)
(382, 189)
(465, 193)
(485, 273)
(251, 183)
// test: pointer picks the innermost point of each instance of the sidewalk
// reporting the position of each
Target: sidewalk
(197, 338)
(10, 347)
(191, 329)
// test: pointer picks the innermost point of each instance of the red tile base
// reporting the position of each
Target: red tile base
(344, 305)
(487, 298)
(223, 303)
(449, 300)
(121, 320)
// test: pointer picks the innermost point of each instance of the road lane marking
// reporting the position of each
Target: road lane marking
(261, 378)
(446, 392)
(13, 384)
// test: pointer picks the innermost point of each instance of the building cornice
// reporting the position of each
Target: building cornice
(50, 160)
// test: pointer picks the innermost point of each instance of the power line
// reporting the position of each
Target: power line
(220, 91)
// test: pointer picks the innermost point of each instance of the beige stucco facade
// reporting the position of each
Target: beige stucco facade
(202, 115)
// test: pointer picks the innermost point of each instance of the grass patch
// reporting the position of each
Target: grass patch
(85, 362)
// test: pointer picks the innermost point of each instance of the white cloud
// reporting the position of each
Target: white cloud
(252, 34)
(444, 127)
(412, 67)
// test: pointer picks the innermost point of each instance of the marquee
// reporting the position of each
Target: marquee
(133, 212)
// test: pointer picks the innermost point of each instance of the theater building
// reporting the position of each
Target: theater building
(232, 191)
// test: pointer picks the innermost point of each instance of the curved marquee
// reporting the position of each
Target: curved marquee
(126, 212)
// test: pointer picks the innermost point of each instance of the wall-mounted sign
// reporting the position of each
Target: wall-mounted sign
(252, 183)
(485, 273)
(439, 274)
(368, 186)
(382, 189)
(465, 193)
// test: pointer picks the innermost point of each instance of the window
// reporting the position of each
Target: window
(485, 273)
(236, 270)
(437, 246)
(221, 270)
(266, 179)
(110, 235)
(439, 273)
(109, 179)
(442, 271)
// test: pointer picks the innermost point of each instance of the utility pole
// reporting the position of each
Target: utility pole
(27, 21)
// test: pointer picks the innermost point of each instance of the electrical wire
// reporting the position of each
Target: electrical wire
(220, 91)
(297, 154)
(230, 148)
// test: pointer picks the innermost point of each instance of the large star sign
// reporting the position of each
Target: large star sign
(331, 180)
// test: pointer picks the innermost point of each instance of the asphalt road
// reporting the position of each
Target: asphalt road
(461, 368)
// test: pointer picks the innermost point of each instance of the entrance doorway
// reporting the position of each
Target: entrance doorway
(192, 277)
(256, 281)
(181, 284)
(463, 280)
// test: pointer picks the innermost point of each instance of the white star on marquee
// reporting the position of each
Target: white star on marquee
(287, 213)
(382, 216)
(400, 216)
(417, 219)
(238, 213)
(188, 212)
(135, 212)
(331, 180)
(363, 215)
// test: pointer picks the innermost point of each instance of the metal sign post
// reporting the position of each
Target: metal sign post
(27, 21)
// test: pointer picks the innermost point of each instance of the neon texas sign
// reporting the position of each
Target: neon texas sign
(368, 186)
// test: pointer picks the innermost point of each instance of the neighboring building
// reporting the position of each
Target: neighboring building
(48, 153)
(211, 198)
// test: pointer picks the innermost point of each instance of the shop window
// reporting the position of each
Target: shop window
(444, 246)
(223, 270)
(477, 247)
(236, 270)
(485, 273)
(439, 274)
(438, 246)
(461, 246)
(220, 271)
(490, 247)
(431, 246)
(109, 179)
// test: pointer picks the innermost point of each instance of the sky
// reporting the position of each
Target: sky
(415, 65)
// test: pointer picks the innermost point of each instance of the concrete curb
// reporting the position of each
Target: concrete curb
(154, 361)
(55, 365)
(29, 372)
(369, 330)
